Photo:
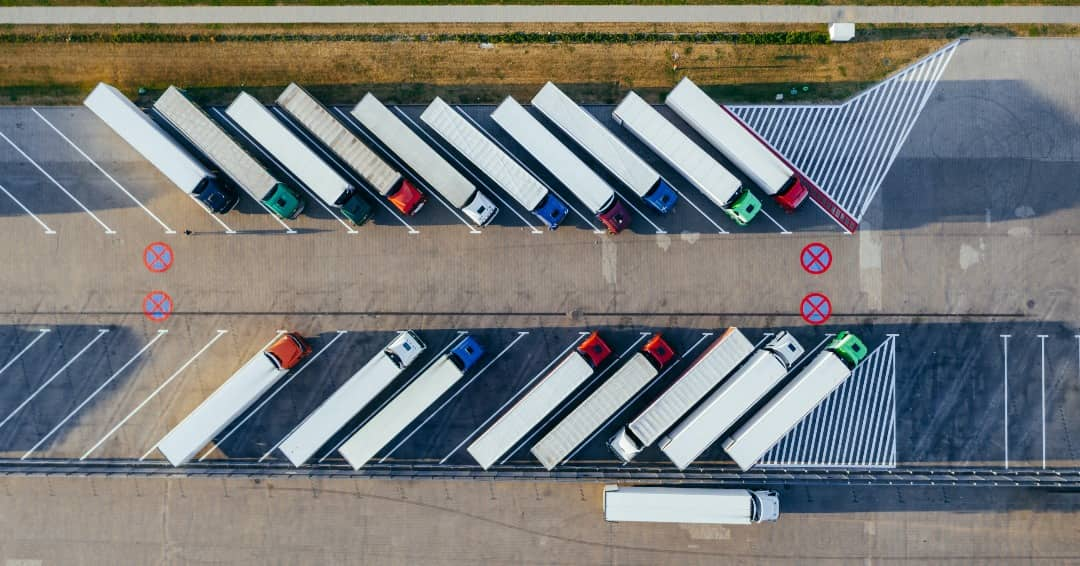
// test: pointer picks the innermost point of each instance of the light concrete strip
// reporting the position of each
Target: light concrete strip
(539, 13)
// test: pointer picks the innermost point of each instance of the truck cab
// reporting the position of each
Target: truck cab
(594, 350)
(284, 201)
(467, 353)
(407, 198)
(765, 506)
(552, 211)
(658, 352)
(356, 208)
(216, 195)
(743, 207)
(624, 445)
(288, 350)
(480, 209)
(616, 218)
(404, 349)
(848, 348)
(662, 197)
(785, 347)
(792, 194)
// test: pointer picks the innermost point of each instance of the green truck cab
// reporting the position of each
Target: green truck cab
(284, 201)
(848, 348)
(743, 207)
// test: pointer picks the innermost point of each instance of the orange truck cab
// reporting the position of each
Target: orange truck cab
(288, 350)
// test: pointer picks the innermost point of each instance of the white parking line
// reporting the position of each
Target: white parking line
(778, 225)
(581, 391)
(273, 393)
(516, 396)
(347, 170)
(160, 334)
(1005, 348)
(1042, 353)
(521, 334)
(27, 210)
(220, 222)
(104, 172)
(637, 396)
(113, 430)
(401, 167)
(101, 332)
(41, 334)
(57, 183)
(696, 207)
(384, 403)
(464, 169)
(568, 204)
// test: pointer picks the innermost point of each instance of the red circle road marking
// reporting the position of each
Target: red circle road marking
(815, 308)
(816, 258)
(158, 257)
(157, 306)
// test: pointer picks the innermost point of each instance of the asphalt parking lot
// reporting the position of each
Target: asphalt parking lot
(944, 284)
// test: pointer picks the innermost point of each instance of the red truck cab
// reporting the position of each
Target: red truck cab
(288, 350)
(407, 198)
(792, 195)
(594, 350)
(616, 218)
(658, 351)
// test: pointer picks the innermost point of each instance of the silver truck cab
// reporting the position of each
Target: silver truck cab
(480, 209)
(786, 348)
(405, 349)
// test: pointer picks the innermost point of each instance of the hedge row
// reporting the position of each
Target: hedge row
(767, 38)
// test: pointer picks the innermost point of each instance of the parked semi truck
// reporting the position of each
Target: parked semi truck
(209, 138)
(141, 133)
(575, 175)
(349, 399)
(407, 406)
(734, 139)
(234, 396)
(495, 163)
(315, 118)
(424, 161)
(642, 504)
(710, 368)
(611, 152)
(692, 162)
(540, 401)
(298, 158)
(827, 371)
(602, 403)
(733, 399)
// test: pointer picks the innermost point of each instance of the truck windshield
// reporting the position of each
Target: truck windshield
(755, 508)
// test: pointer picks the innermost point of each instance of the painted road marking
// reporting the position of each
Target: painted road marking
(347, 170)
(696, 207)
(464, 169)
(160, 334)
(113, 430)
(277, 335)
(1042, 366)
(157, 306)
(27, 210)
(104, 172)
(389, 398)
(57, 183)
(556, 412)
(569, 204)
(214, 446)
(373, 142)
(815, 308)
(220, 222)
(158, 257)
(1005, 349)
(516, 396)
(816, 258)
(101, 332)
(636, 396)
(520, 335)
(41, 334)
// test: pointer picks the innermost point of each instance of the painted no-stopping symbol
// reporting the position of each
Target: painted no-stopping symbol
(815, 308)
(158, 257)
(157, 305)
(816, 258)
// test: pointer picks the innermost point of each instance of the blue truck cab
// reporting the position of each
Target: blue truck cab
(467, 353)
(216, 195)
(661, 196)
(552, 211)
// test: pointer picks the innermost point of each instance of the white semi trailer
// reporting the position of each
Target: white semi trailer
(315, 118)
(539, 402)
(594, 138)
(147, 138)
(407, 406)
(718, 360)
(733, 399)
(591, 414)
(692, 162)
(735, 140)
(575, 175)
(641, 504)
(298, 158)
(827, 371)
(209, 138)
(429, 165)
(349, 399)
(495, 163)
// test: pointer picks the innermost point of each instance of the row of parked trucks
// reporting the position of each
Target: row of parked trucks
(292, 134)
(750, 397)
